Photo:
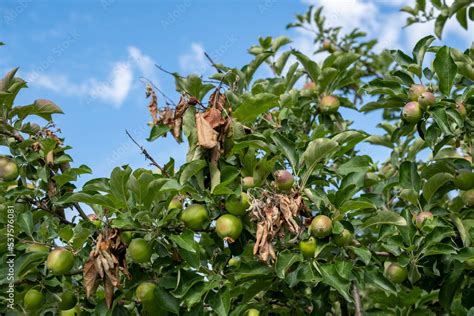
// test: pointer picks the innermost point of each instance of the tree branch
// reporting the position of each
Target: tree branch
(212, 62)
(80, 211)
(356, 296)
(148, 156)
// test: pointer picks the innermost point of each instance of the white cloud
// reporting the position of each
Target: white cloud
(195, 60)
(113, 90)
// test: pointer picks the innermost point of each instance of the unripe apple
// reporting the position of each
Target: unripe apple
(329, 104)
(310, 85)
(75, 311)
(248, 182)
(33, 299)
(469, 264)
(464, 179)
(327, 45)
(468, 197)
(321, 226)
(234, 262)
(416, 91)
(195, 217)
(308, 247)
(421, 217)
(8, 170)
(426, 100)
(411, 112)
(37, 248)
(229, 226)
(126, 237)
(60, 261)
(461, 109)
(344, 238)
(252, 312)
(237, 205)
(284, 180)
(145, 292)
(67, 300)
(370, 179)
(396, 273)
(175, 203)
(139, 250)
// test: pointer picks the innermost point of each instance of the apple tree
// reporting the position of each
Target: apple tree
(276, 210)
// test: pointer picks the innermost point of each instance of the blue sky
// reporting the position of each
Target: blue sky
(88, 56)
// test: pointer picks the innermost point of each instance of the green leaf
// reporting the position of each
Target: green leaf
(250, 107)
(354, 205)
(185, 240)
(220, 302)
(310, 66)
(385, 217)
(440, 117)
(316, 151)
(25, 223)
(286, 147)
(118, 184)
(166, 301)
(331, 277)
(41, 107)
(284, 261)
(157, 131)
(450, 286)
(190, 169)
(356, 164)
(434, 184)
(409, 177)
(439, 24)
(363, 253)
(421, 47)
(445, 68)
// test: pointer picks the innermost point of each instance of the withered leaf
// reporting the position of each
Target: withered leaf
(109, 292)
(214, 117)
(90, 277)
(207, 136)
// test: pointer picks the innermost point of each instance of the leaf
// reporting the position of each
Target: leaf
(25, 223)
(441, 119)
(356, 164)
(421, 47)
(157, 131)
(250, 107)
(41, 107)
(185, 240)
(90, 276)
(363, 253)
(434, 184)
(284, 261)
(317, 150)
(207, 136)
(166, 300)
(439, 24)
(331, 277)
(190, 169)
(409, 177)
(445, 68)
(310, 66)
(220, 302)
(450, 286)
(354, 205)
(118, 184)
(286, 147)
(385, 217)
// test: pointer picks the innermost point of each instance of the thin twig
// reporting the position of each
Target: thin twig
(212, 62)
(158, 89)
(81, 211)
(382, 253)
(356, 296)
(148, 156)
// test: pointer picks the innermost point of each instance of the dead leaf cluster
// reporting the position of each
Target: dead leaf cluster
(104, 263)
(275, 215)
(173, 118)
(212, 126)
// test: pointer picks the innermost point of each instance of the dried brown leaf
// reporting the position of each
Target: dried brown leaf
(207, 136)
(109, 292)
(90, 277)
(214, 117)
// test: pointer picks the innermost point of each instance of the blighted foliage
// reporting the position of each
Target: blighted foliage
(412, 213)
